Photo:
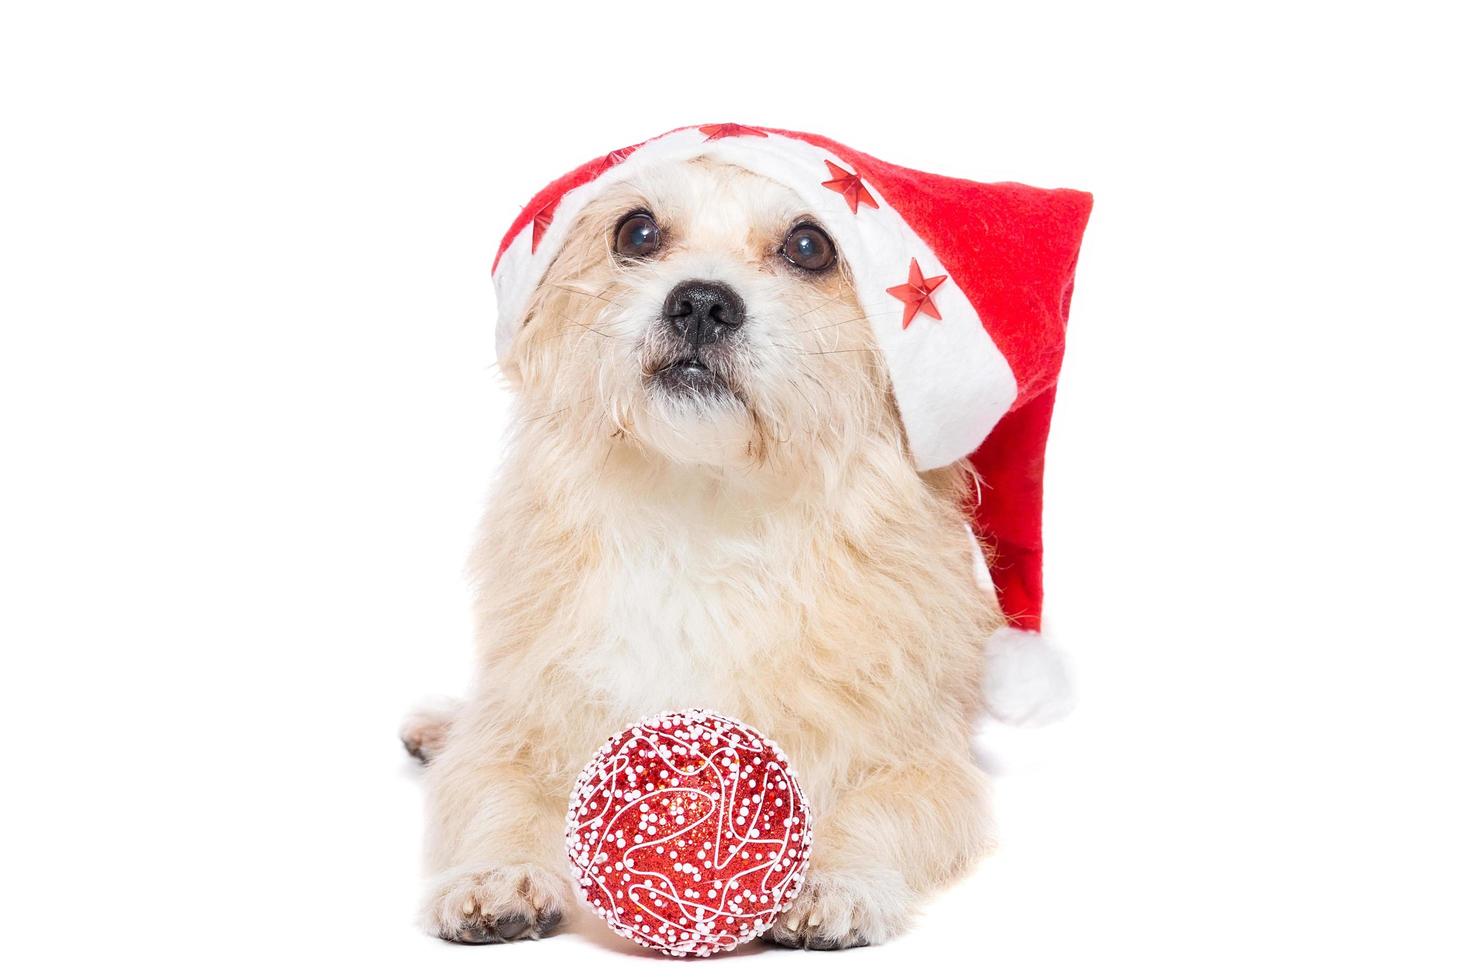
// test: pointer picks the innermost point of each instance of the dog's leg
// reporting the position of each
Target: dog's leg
(887, 842)
(495, 854)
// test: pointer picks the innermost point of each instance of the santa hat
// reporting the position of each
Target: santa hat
(966, 287)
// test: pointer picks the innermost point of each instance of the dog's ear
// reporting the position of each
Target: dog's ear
(513, 359)
(510, 370)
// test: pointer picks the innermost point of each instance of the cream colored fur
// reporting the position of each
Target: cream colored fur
(773, 556)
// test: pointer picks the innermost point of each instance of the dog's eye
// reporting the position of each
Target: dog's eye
(808, 247)
(637, 236)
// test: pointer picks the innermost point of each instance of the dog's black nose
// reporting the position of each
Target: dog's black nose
(702, 311)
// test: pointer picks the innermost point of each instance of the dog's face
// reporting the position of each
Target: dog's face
(701, 312)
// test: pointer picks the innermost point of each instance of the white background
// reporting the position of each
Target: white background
(249, 412)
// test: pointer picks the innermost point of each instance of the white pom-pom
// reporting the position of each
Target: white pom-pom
(1027, 680)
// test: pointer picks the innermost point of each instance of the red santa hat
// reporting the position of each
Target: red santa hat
(966, 287)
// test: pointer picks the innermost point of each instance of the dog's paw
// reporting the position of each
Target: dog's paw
(423, 732)
(841, 909)
(494, 905)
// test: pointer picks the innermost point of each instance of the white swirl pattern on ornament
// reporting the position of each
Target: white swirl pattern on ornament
(688, 833)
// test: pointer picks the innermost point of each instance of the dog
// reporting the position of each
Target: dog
(709, 500)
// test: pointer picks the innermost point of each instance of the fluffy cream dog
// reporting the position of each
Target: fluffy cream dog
(708, 501)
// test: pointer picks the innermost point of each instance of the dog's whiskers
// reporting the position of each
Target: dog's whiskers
(826, 302)
(832, 326)
(600, 297)
(559, 411)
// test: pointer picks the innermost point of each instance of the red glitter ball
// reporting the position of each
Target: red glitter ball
(688, 833)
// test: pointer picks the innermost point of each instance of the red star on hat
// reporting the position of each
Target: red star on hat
(539, 224)
(721, 131)
(850, 186)
(915, 294)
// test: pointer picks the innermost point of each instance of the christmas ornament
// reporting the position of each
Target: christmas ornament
(688, 833)
(966, 287)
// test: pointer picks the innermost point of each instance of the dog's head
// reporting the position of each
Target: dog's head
(700, 313)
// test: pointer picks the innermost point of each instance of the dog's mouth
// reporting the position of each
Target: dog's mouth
(691, 376)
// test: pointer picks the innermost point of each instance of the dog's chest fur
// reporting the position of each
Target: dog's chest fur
(681, 616)
(681, 609)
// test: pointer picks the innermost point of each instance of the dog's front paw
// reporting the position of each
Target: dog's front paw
(841, 909)
(497, 904)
